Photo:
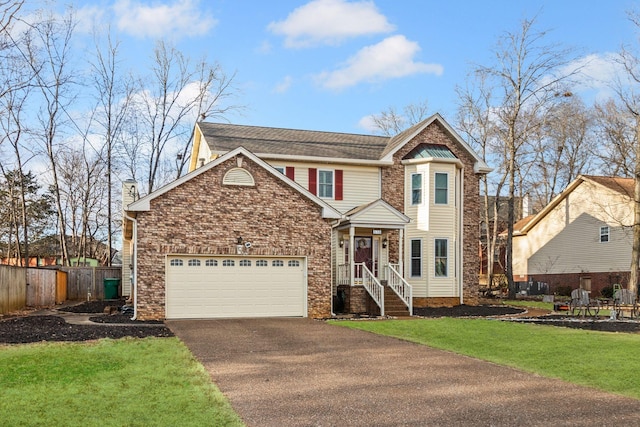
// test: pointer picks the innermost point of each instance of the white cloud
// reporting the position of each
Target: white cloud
(391, 58)
(284, 85)
(330, 22)
(180, 18)
(368, 124)
(89, 17)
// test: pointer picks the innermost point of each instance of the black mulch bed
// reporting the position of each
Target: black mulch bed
(601, 324)
(467, 311)
(36, 328)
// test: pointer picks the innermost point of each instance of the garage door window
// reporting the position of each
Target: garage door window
(294, 263)
(228, 263)
(245, 263)
(262, 263)
(211, 263)
(277, 263)
(194, 263)
(176, 263)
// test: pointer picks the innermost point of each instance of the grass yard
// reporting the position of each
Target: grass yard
(607, 361)
(127, 382)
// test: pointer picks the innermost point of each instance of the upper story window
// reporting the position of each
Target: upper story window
(441, 188)
(604, 234)
(325, 184)
(416, 188)
(280, 169)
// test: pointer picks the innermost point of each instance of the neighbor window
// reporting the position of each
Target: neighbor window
(416, 257)
(325, 184)
(604, 234)
(442, 188)
(416, 188)
(441, 258)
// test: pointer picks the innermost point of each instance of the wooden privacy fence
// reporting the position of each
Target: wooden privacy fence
(13, 292)
(84, 283)
(46, 287)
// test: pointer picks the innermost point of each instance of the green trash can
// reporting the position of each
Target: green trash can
(111, 288)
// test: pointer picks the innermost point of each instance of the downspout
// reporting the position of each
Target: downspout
(134, 281)
(461, 235)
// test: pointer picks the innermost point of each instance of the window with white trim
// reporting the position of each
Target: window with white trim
(416, 258)
(176, 263)
(280, 169)
(416, 188)
(605, 234)
(441, 257)
(194, 263)
(325, 184)
(441, 188)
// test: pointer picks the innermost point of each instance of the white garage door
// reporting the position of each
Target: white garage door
(230, 286)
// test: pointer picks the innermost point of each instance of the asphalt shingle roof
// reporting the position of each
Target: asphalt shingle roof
(223, 137)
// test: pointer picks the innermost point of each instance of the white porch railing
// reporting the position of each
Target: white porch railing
(373, 286)
(400, 286)
(343, 275)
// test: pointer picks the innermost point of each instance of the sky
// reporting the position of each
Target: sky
(330, 64)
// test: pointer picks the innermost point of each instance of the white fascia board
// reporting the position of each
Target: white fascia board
(314, 159)
(456, 162)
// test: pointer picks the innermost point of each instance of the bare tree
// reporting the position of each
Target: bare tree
(178, 94)
(114, 92)
(48, 50)
(527, 80)
(629, 95)
(391, 122)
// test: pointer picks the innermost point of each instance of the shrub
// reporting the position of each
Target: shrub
(607, 292)
(563, 290)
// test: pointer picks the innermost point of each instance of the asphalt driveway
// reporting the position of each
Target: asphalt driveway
(301, 372)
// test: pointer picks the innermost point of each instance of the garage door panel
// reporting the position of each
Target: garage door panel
(224, 290)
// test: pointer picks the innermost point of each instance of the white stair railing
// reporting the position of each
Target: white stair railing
(400, 286)
(373, 287)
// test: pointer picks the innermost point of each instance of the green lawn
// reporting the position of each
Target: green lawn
(127, 382)
(607, 361)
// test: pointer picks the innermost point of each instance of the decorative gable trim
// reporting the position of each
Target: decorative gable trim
(375, 214)
(238, 176)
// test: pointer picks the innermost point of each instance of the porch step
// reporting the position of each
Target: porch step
(393, 305)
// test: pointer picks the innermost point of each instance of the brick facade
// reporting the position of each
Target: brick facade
(393, 191)
(203, 216)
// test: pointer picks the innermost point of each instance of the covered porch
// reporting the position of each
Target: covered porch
(369, 262)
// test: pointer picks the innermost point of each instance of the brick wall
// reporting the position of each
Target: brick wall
(393, 193)
(202, 216)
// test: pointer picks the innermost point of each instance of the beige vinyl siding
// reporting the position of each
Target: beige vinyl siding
(567, 240)
(127, 260)
(361, 184)
(432, 221)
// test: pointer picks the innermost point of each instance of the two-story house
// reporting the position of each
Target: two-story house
(283, 222)
(581, 239)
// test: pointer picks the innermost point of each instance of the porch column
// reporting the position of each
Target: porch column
(352, 252)
(400, 252)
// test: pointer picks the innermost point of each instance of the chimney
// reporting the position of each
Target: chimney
(129, 193)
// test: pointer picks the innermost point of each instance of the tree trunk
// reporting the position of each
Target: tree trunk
(635, 251)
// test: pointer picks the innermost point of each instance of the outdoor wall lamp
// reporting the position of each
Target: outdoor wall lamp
(384, 242)
(341, 242)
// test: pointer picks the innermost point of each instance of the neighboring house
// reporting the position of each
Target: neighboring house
(582, 239)
(283, 222)
(46, 252)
